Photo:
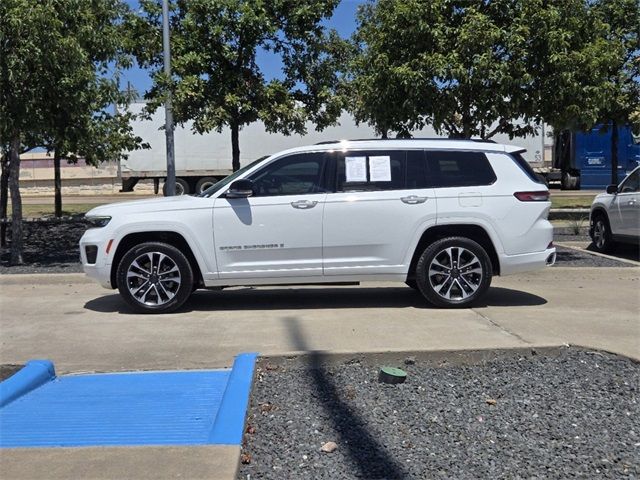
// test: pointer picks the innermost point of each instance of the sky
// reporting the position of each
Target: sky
(343, 20)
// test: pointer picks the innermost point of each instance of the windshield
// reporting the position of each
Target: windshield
(227, 180)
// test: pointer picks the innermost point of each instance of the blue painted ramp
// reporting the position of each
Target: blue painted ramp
(143, 408)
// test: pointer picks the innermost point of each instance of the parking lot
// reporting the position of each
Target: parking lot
(82, 327)
(585, 300)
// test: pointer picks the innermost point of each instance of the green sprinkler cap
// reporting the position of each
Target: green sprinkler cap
(392, 375)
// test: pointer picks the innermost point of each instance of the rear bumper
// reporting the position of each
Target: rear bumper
(510, 264)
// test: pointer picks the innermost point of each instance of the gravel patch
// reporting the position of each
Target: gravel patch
(50, 246)
(574, 414)
(569, 257)
(6, 370)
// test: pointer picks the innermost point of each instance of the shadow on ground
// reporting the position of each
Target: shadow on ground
(370, 457)
(622, 250)
(246, 299)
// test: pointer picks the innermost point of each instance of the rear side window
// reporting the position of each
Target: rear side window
(526, 168)
(459, 169)
(380, 170)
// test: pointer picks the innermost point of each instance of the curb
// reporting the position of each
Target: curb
(228, 427)
(34, 374)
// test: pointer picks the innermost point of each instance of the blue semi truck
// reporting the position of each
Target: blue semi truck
(582, 160)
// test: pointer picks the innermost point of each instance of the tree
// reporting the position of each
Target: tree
(94, 37)
(55, 61)
(217, 81)
(621, 86)
(443, 62)
(477, 68)
(25, 41)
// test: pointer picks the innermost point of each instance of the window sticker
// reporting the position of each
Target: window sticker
(356, 169)
(380, 168)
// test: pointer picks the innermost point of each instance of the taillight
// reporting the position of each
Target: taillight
(541, 196)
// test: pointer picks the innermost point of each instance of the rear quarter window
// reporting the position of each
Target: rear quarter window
(526, 168)
(459, 169)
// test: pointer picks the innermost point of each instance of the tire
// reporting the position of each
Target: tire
(205, 183)
(182, 187)
(453, 287)
(143, 288)
(602, 239)
(570, 181)
(412, 284)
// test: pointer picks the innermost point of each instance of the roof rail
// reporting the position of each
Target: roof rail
(476, 140)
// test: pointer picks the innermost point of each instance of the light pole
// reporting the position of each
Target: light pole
(170, 182)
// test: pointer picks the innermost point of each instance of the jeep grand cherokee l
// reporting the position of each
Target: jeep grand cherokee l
(443, 216)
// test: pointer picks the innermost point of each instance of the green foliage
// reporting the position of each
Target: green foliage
(466, 66)
(57, 76)
(620, 90)
(216, 78)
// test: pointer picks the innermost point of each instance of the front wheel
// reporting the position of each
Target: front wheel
(602, 239)
(154, 277)
(453, 272)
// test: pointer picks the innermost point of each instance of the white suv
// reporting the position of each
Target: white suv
(444, 216)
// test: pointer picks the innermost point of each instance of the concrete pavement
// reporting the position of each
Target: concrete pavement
(82, 327)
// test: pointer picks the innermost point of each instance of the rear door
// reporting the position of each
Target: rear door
(380, 204)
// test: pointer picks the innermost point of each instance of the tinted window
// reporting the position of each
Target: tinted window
(459, 169)
(524, 165)
(294, 175)
(380, 170)
(631, 184)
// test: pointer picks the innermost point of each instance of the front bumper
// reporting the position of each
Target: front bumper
(101, 269)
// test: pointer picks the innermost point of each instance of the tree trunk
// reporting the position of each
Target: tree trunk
(16, 201)
(384, 135)
(614, 152)
(235, 146)
(4, 198)
(57, 183)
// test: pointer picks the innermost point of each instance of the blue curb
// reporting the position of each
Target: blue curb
(30, 377)
(229, 424)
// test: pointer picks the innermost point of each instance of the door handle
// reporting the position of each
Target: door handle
(304, 204)
(413, 199)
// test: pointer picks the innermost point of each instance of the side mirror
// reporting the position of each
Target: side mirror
(240, 189)
(611, 189)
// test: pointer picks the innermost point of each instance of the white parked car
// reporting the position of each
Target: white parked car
(444, 216)
(615, 215)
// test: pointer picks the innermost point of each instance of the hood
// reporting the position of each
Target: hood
(162, 204)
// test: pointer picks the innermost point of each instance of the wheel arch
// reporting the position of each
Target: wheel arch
(600, 211)
(473, 232)
(172, 238)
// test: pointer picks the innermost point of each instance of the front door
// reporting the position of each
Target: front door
(627, 206)
(276, 232)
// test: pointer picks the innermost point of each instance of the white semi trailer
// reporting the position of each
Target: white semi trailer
(201, 160)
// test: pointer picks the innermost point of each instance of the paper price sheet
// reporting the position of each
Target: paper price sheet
(356, 169)
(380, 169)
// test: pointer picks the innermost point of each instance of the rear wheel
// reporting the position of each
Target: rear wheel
(602, 239)
(453, 272)
(154, 277)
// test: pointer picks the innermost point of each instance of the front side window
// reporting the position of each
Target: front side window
(459, 169)
(631, 184)
(294, 175)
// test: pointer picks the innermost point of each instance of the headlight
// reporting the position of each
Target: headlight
(98, 222)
